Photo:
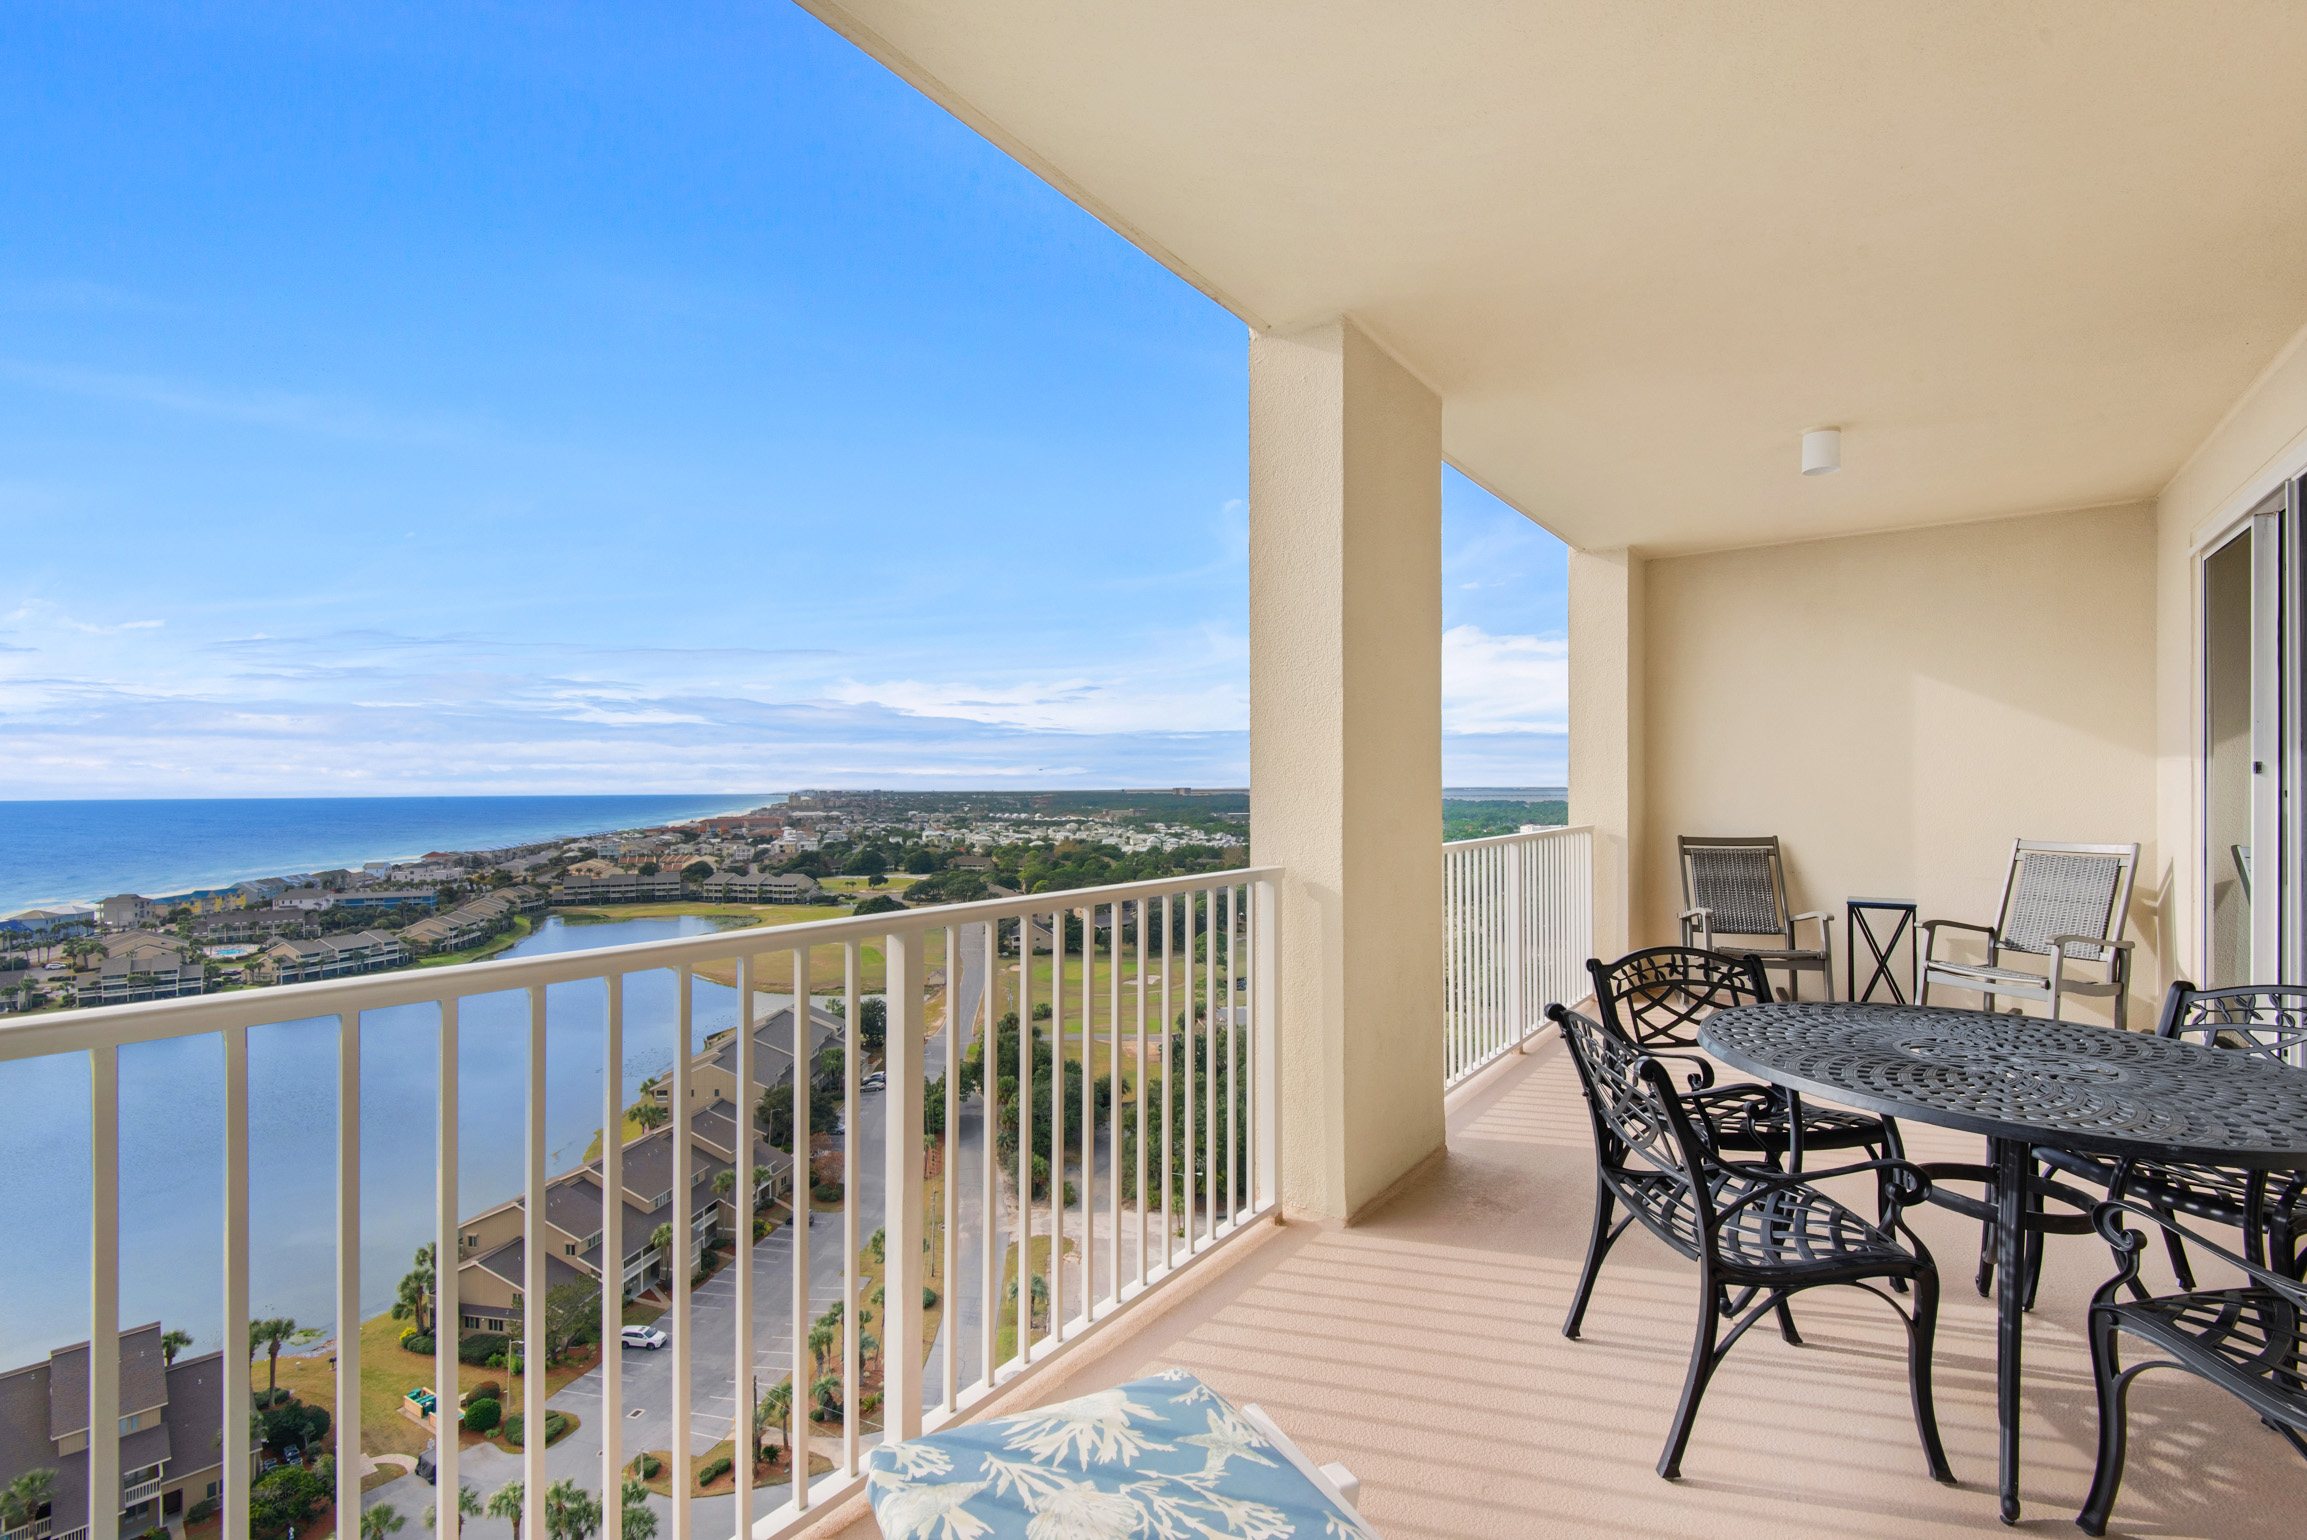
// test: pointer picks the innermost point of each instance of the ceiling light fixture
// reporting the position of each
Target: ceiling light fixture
(1821, 451)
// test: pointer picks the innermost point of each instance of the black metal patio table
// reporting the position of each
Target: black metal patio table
(2023, 1082)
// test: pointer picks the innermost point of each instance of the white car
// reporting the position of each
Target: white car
(876, 1081)
(644, 1337)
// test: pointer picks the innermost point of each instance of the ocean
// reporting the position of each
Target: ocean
(67, 852)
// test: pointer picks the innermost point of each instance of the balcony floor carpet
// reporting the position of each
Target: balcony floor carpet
(1423, 1348)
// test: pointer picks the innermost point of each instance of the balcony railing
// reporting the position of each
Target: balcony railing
(139, 1492)
(1188, 1145)
(1519, 926)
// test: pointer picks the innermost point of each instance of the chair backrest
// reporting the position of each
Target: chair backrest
(1742, 880)
(2066, 890)
(1655, 998)
(1639, 1126)
(2267, 1021)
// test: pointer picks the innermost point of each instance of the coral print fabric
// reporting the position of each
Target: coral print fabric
(1165, 1458)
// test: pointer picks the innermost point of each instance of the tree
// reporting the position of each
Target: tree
(920, 860)
(826, 1392)
(272, 1334)
(468, 1507)
(570, 1308)
(173, 1342)
(505, 1503)
(696, 871)
(286, 1498)
(380, 1522)
(775, 1411)
(821, 1340)
(640, 1518)
(869, 862)
(22, 1499)
(571, 1512)
(775, 1112)
(724, 1183)
(415, 1302)
(661, 1242)
(879, 903)
(651, 1113)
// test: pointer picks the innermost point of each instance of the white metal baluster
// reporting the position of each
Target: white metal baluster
(1450, 1050)
(534, 1290)
(1233, 1089)
(852, 1047)
(448, 1249)
(949, 1171)
(902, 1190)
(684, 1245)
(1189, 1136)
(797, 1421)
(744, 1394)
(1088, 1255)
(1170, 1037)
(1210, 1066)
(237, 1389)
(1138, 1128)
(613, 1262)
(988, 1123)
(1060, 1236)
(104, 1294)
(1265, 1087)
(1113, 1102)
(1026, 1033)
(348, 1428)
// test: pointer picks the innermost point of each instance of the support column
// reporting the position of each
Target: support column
(1606, 713)
(1346, 753)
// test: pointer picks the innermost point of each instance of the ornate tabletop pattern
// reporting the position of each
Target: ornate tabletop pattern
(2052, 1082)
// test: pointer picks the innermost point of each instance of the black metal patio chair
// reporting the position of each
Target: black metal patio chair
(1758, 1236)
(2250, 1342)
(2269, 1022)
(1657, 997)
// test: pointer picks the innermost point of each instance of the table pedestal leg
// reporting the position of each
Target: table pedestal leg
(2011, 1172)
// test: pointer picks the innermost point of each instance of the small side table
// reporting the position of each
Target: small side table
(1859, 923)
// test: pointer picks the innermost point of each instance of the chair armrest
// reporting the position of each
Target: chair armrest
(2119, 946)
(1825, 929)
(1930, 934)
(2108, 1216)
(1705, 919)
(1692, 914)
(1698, 1082)
(1914, 1190)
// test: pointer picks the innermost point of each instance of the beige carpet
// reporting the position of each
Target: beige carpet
(1423, 1348)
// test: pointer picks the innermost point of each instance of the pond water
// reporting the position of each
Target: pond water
(172, 1145)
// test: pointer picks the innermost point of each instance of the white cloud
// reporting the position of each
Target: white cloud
(1504, 684)
(1060, 706)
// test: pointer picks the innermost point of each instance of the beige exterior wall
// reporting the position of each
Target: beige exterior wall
(1606, 731)
(1346, 752)
(1898, 708)
(2262, 442)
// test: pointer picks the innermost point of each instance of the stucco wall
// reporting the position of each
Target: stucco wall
(1897, 708)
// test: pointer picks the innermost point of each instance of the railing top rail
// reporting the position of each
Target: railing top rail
(76, 1031)
(1521, 838)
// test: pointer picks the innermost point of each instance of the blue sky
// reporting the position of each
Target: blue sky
(574, 398)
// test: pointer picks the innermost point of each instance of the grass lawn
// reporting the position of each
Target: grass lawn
(522, 926)
(1005, 1329)
(771, 1472)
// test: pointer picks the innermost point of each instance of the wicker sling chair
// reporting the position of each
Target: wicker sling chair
(2065, 903)
(1736, 886)
(1656, 998)
(2267, 1021)
(2250, 1342)
(1757, 1235)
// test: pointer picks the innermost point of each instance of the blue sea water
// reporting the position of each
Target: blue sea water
(172, 1145)
(62, 852)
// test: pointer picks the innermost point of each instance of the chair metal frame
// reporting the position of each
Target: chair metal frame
(2024, 925)
(1709, 899)
(1759, 1236)
(2250, 1342)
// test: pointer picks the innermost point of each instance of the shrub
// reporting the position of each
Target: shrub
(928, 1297)
(714, 1469)
(157, 1532)
(482, 1415)
(417, 1342)
(271, 1398)
(649, 1466)
(480, 1347)
(406, 1333)
(825, 1192)
(556, 1424)
(486, 1390)
(201, 1512)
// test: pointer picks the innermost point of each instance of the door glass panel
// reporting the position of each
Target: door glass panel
(2227, 763)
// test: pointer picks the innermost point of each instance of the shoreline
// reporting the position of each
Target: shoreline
(157, 889)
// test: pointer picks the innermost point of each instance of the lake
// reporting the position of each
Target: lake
(172, 1146)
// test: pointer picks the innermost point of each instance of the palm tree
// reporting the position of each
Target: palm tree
(22, 1499)
(775, 1411)
(380, 1522)
(651, 1113)
(416, 1293)
(640, 1518)
(468, 1507)
(571, 1512)
(506, 1504)
(272, 1334)
(173, 1342)
(869, 1345)
(821, 1340)
(661, 1242)
(724, 1182)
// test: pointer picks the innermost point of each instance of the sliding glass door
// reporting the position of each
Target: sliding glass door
(2250, 749)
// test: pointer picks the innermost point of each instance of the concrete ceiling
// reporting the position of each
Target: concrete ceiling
(2027, 255)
